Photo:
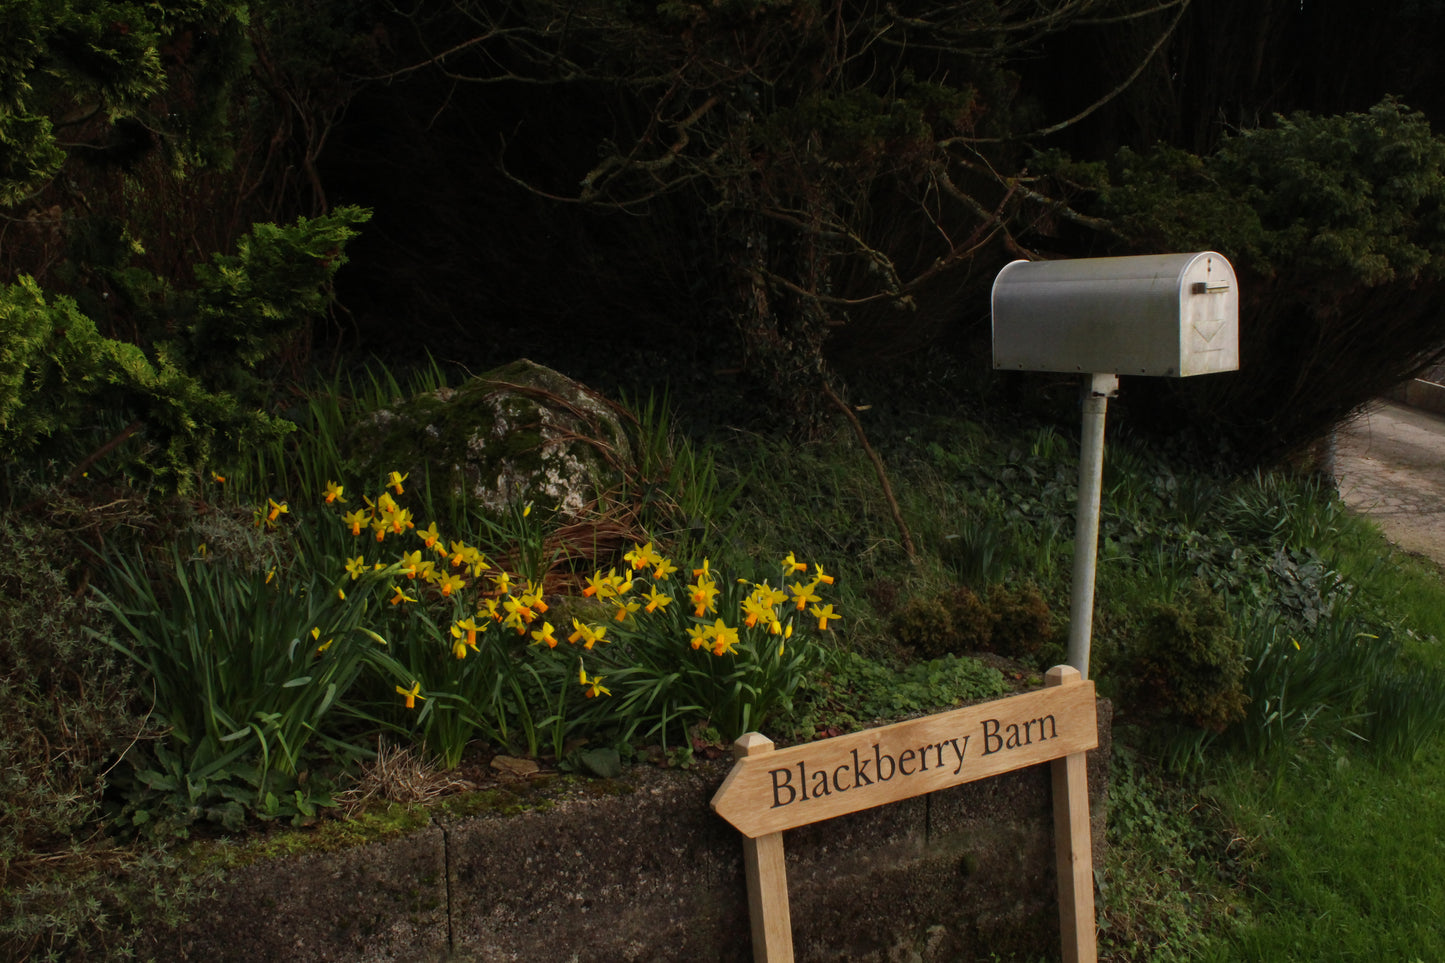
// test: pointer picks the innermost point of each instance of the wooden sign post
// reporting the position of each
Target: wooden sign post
(769, 791)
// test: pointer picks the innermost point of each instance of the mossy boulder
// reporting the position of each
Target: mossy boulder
(518, 433)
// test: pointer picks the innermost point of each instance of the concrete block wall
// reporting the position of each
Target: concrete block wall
(640, 869)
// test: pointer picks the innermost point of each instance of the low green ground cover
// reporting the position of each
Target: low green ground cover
(1346, 860)
(1276, 669)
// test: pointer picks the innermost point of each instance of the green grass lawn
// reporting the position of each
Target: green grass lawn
(1316, 850)
(1350, 861)
(1345, 854)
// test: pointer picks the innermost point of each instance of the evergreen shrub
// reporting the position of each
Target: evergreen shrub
(1023, 624)
(1012, 621)
(1186, 666)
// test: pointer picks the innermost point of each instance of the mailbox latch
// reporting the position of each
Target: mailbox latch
(1211, 287)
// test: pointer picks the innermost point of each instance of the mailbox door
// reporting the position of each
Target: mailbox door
(1209, 317)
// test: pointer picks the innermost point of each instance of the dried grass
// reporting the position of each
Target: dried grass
(400, 774)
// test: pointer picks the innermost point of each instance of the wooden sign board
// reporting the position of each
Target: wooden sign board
(770, 791)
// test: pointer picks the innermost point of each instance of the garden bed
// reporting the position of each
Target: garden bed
(638, 868)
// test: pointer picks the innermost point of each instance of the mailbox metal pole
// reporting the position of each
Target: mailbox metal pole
(1101, 388)
(1149, 315)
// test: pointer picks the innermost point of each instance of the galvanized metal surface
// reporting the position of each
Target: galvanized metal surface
(1086, 518)
(1168, 315)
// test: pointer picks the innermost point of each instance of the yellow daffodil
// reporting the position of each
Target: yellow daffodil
(451, 583)
(663, 569)
(698, 635)
(394, 481)
(754, 611)
(411, 564)
(466, 630)
(412, 694)
(724, 639)
(388, 516)
(533, 597)
(545, 637)
(791, 565)
(400, 596)
(768, 595)
(625, 607)
(820, 576)
(354, 521)
(703, 572)
(276, 509)
(503, 582)
(702, 594)
(333, 493)
(400, 520)
(218, 478)
(518, 614)
(429, 535)
(605, 586)
(468, 557)
(588, 635)
(316, 637)
(477, 562)
(823, 614)
(803, 594)
(642, 556)
(356, 567)
(656, 600)
(594, 684)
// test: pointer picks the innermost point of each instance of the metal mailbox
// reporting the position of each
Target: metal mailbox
(1170, 315)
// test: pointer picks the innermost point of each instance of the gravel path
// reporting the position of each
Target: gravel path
(1390, 466)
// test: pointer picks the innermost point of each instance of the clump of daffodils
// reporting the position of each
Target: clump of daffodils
(717, 617)
(651, 598)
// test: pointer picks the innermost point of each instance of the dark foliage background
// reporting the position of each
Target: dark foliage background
(763, 204)
(471, 262)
